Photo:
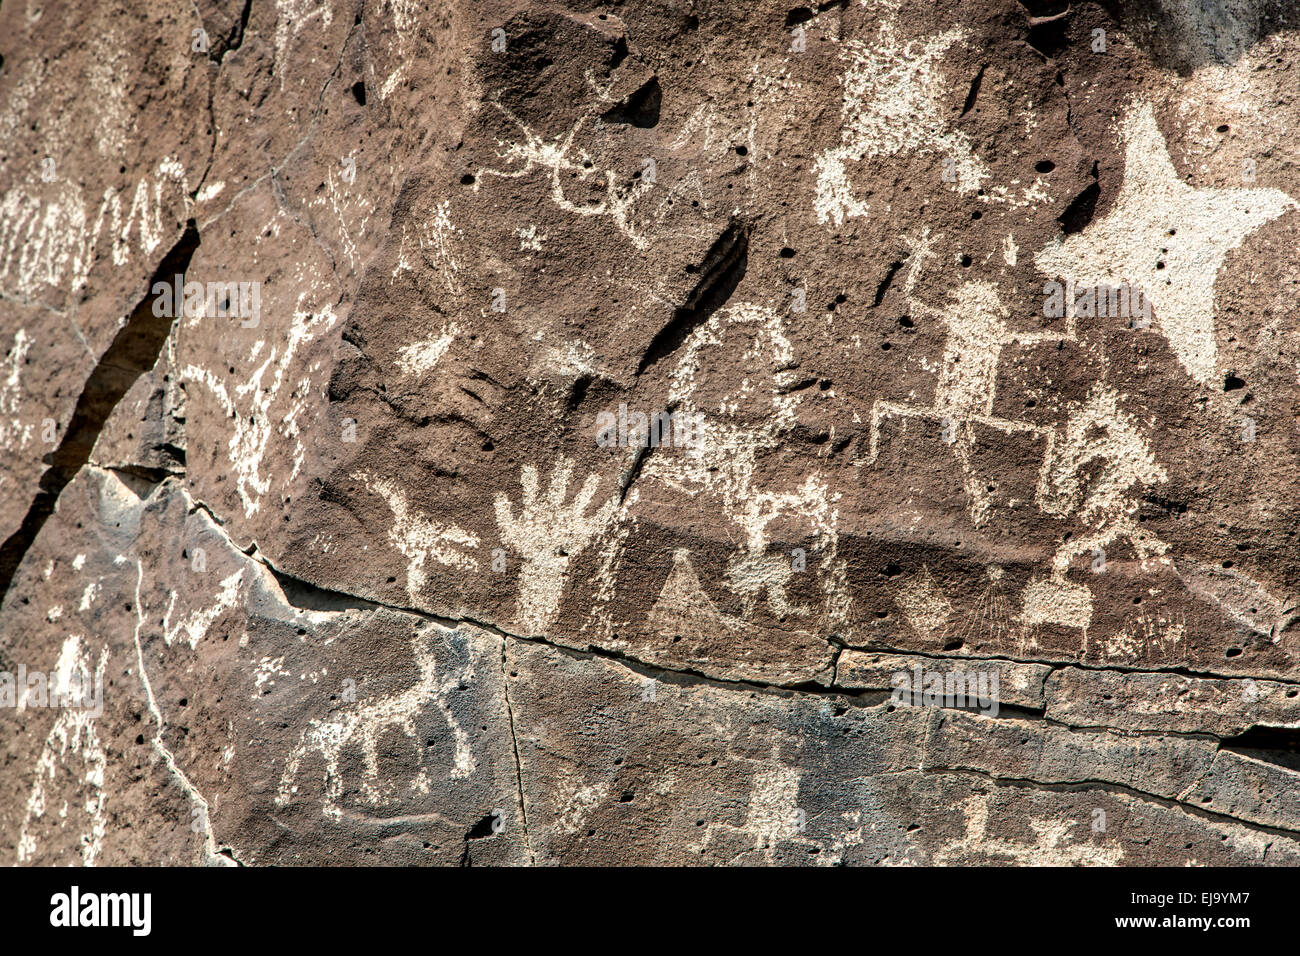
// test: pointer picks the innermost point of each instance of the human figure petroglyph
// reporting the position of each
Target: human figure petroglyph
(1097, 431)
(977, 332)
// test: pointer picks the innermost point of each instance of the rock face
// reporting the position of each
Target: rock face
(655, 433)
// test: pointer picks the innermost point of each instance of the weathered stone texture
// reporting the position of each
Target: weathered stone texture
(943, 557)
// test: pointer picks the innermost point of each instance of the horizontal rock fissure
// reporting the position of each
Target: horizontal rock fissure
(1116, 788)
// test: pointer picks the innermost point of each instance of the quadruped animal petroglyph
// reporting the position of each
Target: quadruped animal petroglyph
(731, 433)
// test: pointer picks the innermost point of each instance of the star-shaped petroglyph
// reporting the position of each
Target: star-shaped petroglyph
(1166, 237)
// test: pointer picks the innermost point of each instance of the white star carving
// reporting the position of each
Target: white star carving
(1167, 238)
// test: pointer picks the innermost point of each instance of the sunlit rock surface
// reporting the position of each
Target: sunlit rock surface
(655, 433)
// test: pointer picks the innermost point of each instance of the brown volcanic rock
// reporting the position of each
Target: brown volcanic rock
(378, 567)
(104, 138)
(208, 674)
(620, 766)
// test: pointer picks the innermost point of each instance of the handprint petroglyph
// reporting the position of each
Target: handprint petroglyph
(548, 534)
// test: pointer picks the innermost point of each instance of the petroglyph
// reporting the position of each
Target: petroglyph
(893, 91)
(1062, 842)
(251, 406)
(1097, 431)
(196, 623)
(201, 817)
(977, 333)
(291, 18)
(50, 238)
(75, 734)
(924, 605)
(565, 163)
(772, 817)
(417, 538)
(421, 357)
(361, 725)
(14, 432)
(436, 241)
(371, 580)
(406, 23)
(547, 533)
(683, 604)
(722, 463)
(1168, 238)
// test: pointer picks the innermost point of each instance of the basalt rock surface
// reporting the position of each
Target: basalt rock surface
(659, 433)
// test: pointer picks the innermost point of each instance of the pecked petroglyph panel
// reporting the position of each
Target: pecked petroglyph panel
(339, 733)
(933, 436)
(659, 433)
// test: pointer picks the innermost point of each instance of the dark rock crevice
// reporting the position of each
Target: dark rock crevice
(133, 352)
(723, 267)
